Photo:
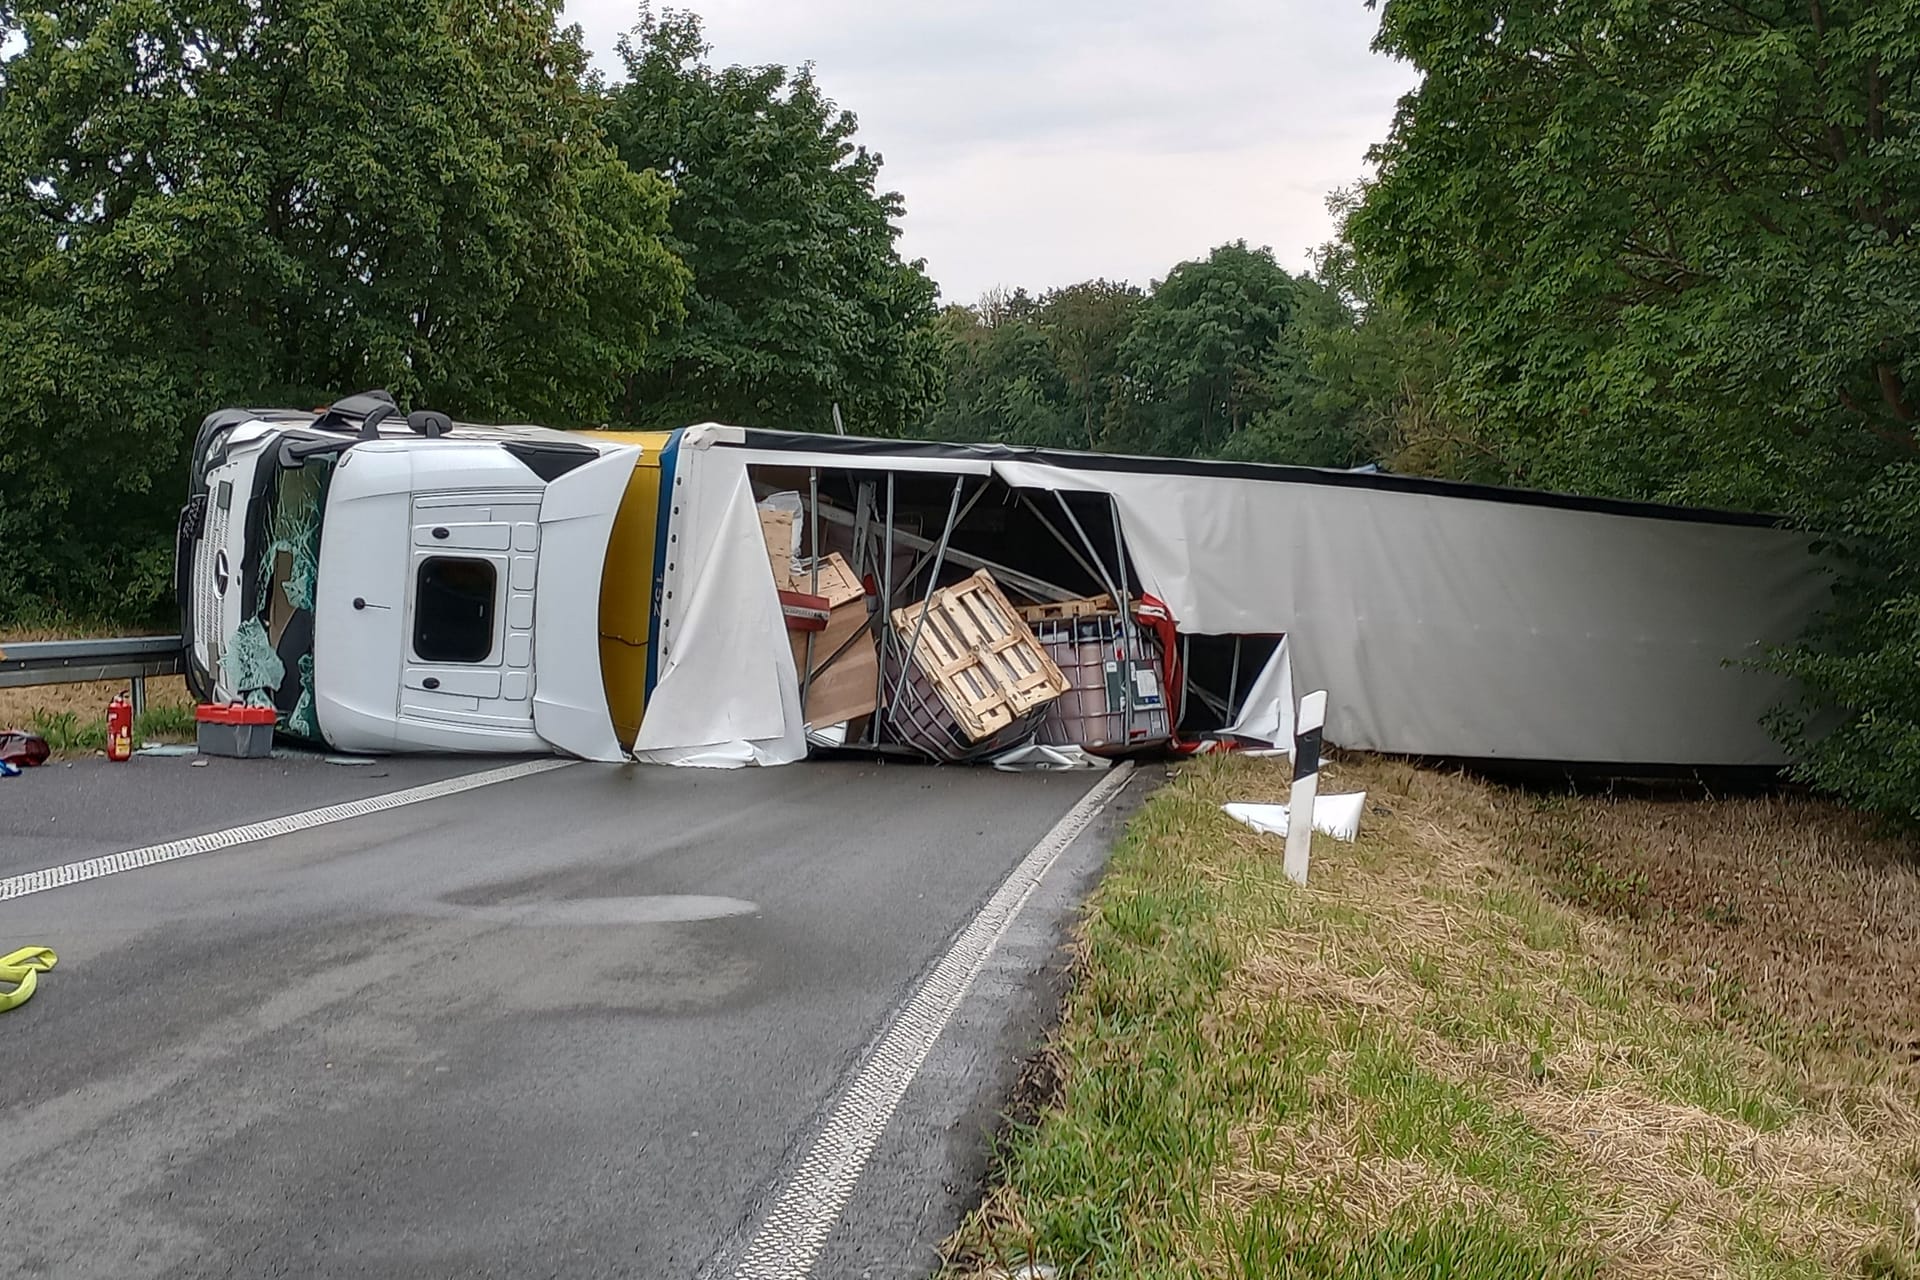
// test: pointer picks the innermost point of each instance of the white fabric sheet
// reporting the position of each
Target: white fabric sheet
(1337, 816)
(1439, 625)
(1457, 626)
(1267, 713)
(727, 693)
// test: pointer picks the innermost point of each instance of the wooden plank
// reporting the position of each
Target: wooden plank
(980, 654)
(1062, 610)
(846, 667)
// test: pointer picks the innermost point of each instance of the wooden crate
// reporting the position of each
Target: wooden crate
(982, 658)
(1061, 610)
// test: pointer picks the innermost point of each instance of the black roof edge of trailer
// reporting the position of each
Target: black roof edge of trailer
(1280, 473)
(1600, 773)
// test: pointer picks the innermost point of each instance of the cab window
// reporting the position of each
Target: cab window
(453, 610)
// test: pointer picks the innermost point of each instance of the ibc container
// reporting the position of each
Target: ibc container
(1116, 699)
(919, 718)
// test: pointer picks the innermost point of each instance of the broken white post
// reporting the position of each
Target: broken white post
(1306, 783)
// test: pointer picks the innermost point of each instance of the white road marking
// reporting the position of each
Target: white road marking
(789, 1240)
(133, 859)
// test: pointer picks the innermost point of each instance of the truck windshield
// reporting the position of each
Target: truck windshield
(271, 659)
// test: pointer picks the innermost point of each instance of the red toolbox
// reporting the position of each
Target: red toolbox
(234, 729)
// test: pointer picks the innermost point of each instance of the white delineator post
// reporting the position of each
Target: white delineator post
(1306, 783)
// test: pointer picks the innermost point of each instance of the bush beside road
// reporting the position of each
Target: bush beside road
(1497, 1036)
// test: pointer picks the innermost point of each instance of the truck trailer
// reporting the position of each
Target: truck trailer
(402, 582)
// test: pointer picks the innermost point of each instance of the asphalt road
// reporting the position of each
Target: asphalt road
(575, 1024)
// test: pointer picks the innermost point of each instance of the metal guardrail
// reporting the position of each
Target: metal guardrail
(132, 658)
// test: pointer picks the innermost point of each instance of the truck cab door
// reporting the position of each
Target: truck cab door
(469, 654)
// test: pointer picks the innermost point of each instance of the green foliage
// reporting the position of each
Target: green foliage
(67, 734)
(204, 202)
(1675, 239)
(1377, 375)
(164, 722)
(1005, 382)
(799, 297)
(1229, 356)
(1085, 326)
(1202, 339)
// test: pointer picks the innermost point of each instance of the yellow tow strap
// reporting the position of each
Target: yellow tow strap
(23, 969)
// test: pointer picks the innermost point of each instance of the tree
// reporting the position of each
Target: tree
(1300, 416)
(1675, 239)
(1228, 357)
(1003, 384)
(1199, 338)
(799, 298)
(205, 202)
(1359, 380)
(1086, 325)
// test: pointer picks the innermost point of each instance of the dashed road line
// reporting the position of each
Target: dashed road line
(20, 886)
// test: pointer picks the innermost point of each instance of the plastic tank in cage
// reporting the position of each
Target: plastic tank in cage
(1116, 698)
(919, 718)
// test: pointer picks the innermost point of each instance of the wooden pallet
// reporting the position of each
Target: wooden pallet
(1061, 610)
(978, 653)
(837, 582)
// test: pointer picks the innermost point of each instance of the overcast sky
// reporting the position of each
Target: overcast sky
(1042, 142)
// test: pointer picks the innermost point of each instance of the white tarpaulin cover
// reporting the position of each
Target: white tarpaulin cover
(1458, 626)
(1444, 620)
(1337, 816)
(1267, 713)
(727, 693)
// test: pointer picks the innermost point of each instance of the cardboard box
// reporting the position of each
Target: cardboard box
(846, 666)
(777, 528)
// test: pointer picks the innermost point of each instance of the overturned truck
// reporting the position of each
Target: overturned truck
(725, 596)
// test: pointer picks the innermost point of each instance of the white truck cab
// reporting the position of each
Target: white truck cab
(404, 584)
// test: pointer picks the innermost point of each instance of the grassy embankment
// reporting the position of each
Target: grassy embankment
(1501, 1035)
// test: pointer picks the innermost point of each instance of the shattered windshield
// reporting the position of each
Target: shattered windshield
(271, 658)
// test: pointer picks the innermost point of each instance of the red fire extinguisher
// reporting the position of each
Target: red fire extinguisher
(120, 728)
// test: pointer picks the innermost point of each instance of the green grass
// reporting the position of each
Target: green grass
(165, 723)
(1422, 1065)
(67, 734)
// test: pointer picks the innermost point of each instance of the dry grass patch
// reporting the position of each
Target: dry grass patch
(85, 701)
(1784, 904)
(1430, 1063)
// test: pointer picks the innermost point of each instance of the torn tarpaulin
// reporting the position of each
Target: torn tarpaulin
(1337, 816)
(1040, 757)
